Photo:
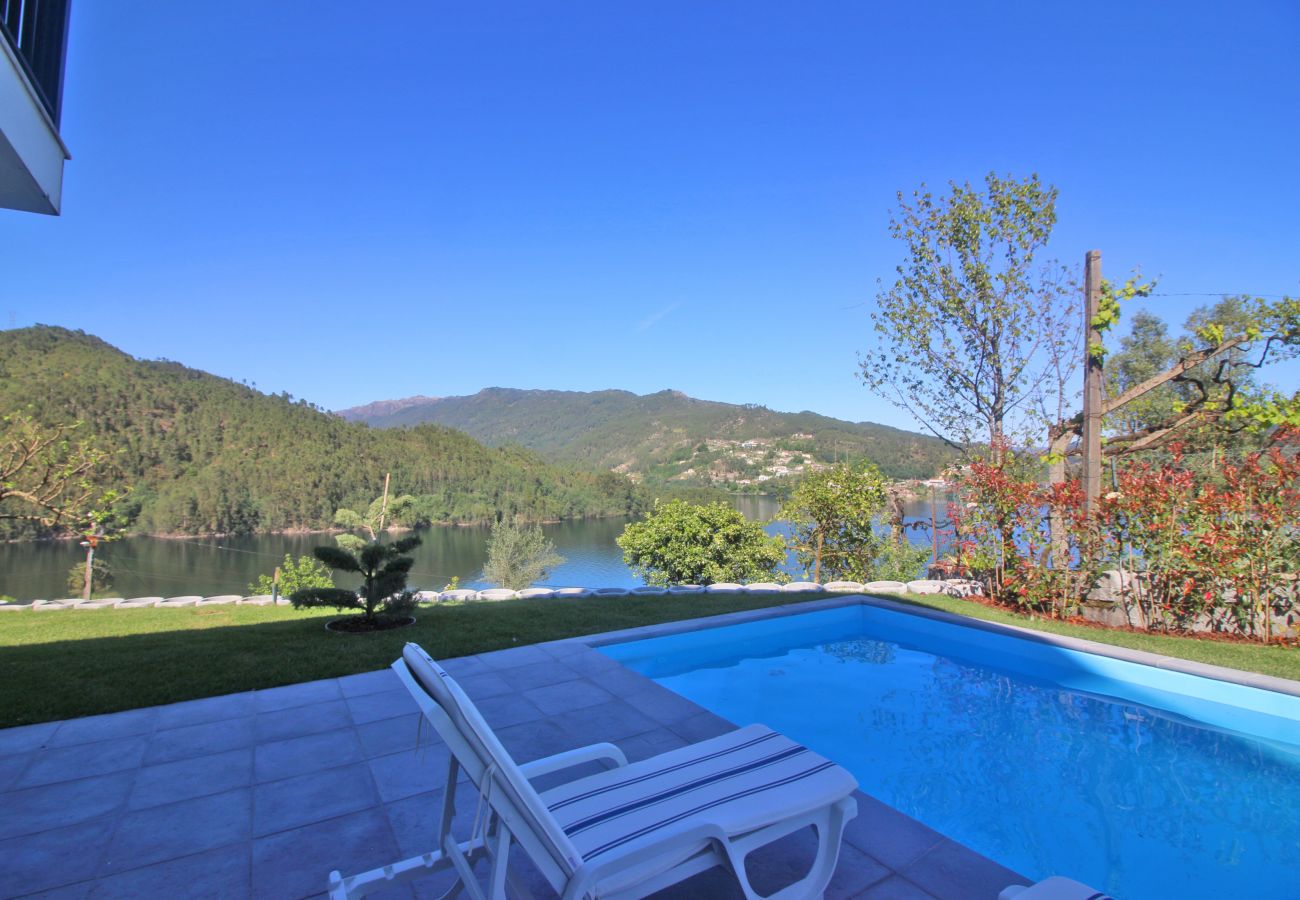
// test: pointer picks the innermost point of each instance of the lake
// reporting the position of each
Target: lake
(148, 566)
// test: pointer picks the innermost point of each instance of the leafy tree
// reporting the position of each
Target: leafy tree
(382, 510)
(834, 514)
(47, 477)
(680, 543)
(1144, 352)
(972, 338)
(383, 569)
(519, 555)
(306, 572)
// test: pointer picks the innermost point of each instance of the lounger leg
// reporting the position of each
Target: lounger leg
(829, 825)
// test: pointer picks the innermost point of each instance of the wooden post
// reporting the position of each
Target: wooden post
(275, 587)
(383, 507)
(1091, 383)
(90, 566)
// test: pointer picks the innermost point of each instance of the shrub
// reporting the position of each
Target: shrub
(306, 572)
(681, 543)
(101, 577)
(519, 555)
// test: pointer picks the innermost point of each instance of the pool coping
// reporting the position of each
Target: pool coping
(1141, 657)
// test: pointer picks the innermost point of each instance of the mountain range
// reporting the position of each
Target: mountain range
(665, 436)
(205, 455)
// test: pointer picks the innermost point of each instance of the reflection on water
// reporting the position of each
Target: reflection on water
(145, 566)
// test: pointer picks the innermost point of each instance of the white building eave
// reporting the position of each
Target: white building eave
(31, 152)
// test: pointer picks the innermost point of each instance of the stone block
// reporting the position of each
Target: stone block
(426, 596)
(723, 587)
(925, 586)
(192, 600)
(50, 606)
(963, 587)
(535, 593)
(572, 592)
(461, 594)
(140, 602)
(762, 587)
(107, 603)
(686, 589)
(843, 587)
(220, 600)
(498, 594)
(649, 590)
(802, 587)
(609, 592)
(18, 605)
(258, 600)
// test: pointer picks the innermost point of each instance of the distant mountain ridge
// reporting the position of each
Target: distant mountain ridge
(664, 436)
(381, 408)
(206, 455)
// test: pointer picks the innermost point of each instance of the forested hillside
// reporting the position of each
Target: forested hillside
(662, 435)
(206, 455)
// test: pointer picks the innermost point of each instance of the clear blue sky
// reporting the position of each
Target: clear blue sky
(352, 203)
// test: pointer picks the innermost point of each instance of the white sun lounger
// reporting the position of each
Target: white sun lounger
(630, 830)
(1057, 887)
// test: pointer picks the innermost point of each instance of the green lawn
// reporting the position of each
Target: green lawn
(73, 663)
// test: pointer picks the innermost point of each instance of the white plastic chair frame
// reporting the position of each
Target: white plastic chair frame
(639, 869)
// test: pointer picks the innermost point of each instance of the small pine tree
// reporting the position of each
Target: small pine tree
(383, 569)
(101, 577)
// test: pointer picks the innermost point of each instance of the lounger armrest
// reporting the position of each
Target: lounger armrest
(570, 758)
(673, 845)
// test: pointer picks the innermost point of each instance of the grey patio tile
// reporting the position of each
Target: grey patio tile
(534, 740)
(104, 728)
(480, 687)
(59, 805)
(701, 727)
(26, 737)
(284, 759)
(330, 715)
(309, 692)
(951, 870)
(651, 743)
(313, 797)
(612, 721)
(507, 710)
(896, 887)
(465, 666)
(619, 679)
(394, 735)
(11, 767)
(208, 709)
(890, 836)
(84, 761)
(534, 675)
(564, 648)
(369, 683)
(790, 858)
(220, 873)
(401, 775)
(386, 705)
(297, 863)
(79, 891)
(179, 829)
(567, 695)
(200, 740)
(186, 779)
(590, 662)
(39, 862)
(661, 704)
(415, 819)
(514, 657)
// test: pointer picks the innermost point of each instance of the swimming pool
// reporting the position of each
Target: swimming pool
(1137, 780)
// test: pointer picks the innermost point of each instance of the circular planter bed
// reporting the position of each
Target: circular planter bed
(358, 625)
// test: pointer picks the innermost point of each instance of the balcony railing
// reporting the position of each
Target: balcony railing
(37, 30)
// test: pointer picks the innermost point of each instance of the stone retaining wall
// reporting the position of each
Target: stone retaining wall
(956, 587)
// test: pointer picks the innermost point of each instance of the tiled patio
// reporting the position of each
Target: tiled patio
(261, 794)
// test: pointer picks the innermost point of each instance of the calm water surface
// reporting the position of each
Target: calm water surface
(145, 566)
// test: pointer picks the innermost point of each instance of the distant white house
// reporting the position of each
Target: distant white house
(33, 38)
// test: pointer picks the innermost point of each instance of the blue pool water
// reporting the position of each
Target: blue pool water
(1138, 781)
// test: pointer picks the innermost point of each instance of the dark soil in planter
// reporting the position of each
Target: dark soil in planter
(358, 625)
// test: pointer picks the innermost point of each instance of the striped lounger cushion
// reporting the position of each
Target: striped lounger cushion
(740, 781)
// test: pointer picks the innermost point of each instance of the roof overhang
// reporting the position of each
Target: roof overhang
(31, 151)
